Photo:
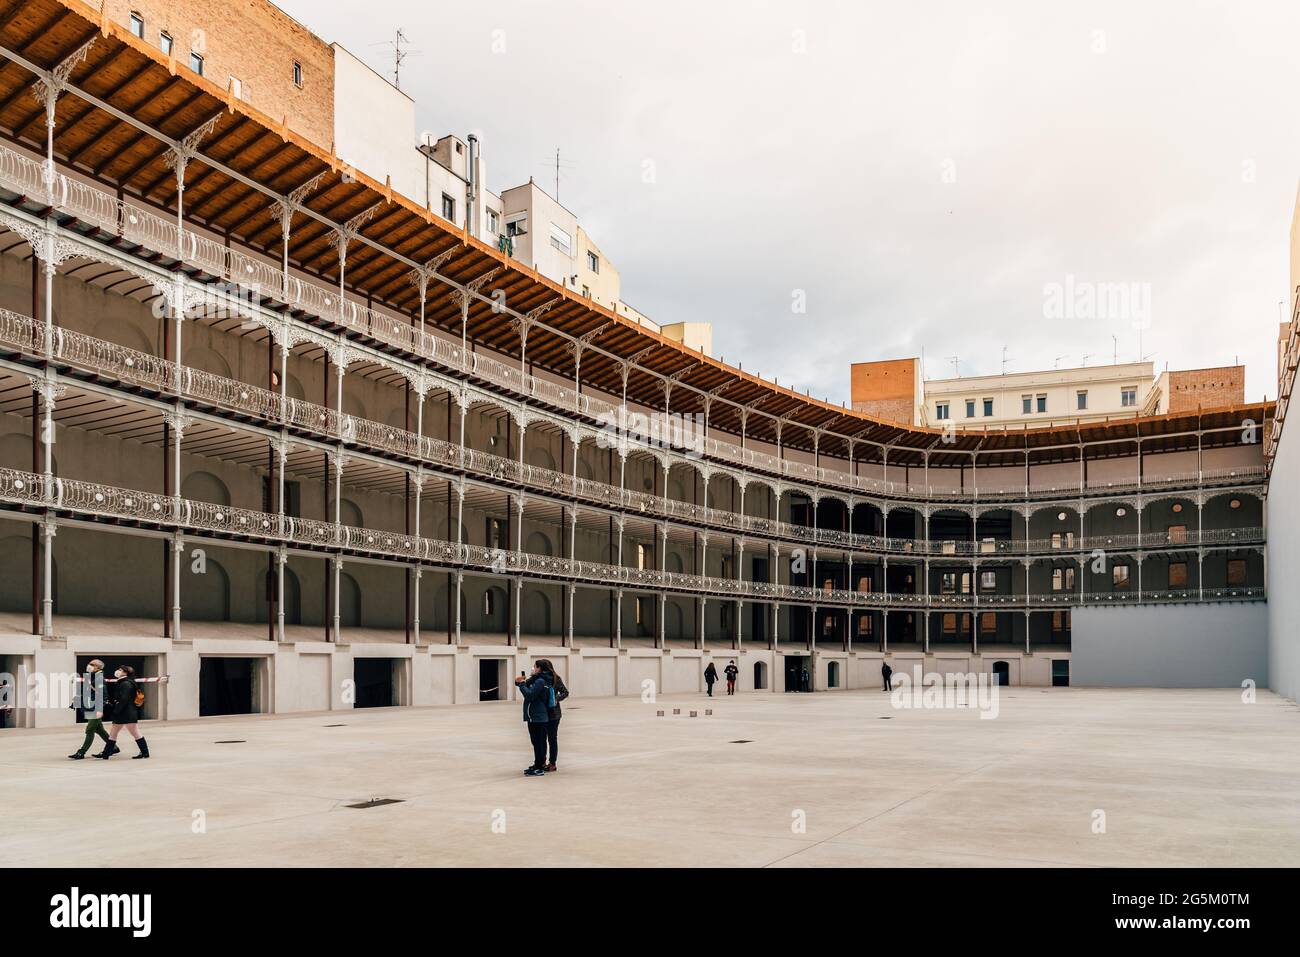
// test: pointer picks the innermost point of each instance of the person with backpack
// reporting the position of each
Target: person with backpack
(731, 671)
(537, 692)
(127, 701)
(558, 693)
(710, 676)
(91, 690)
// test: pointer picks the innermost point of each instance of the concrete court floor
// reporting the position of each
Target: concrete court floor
(1184, 778)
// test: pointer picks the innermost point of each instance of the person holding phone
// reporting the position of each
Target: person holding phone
(536, 689)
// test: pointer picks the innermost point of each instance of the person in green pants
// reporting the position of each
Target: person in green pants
(89, 691)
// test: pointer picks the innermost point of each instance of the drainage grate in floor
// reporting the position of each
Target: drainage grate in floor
(377, 802)
(240, 741)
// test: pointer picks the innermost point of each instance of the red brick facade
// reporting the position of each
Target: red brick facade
(1206, 388)
(254, 42)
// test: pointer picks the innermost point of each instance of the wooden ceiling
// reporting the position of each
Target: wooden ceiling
(125, 91)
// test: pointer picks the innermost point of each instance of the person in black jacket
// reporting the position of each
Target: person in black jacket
(536, 692)
(710, 676)
(731, 671)
(88, 694)
(887, 673)
(126, 714)
(553, 726)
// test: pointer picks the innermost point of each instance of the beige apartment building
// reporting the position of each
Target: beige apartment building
(896, 391)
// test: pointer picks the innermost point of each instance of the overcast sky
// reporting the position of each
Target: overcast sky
(924, 174)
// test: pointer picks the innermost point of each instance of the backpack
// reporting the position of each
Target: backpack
(139, 697)
(552, 704)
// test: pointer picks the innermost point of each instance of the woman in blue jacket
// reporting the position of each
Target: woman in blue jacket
(536, 692)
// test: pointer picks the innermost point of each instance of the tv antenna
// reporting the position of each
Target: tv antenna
(1115, 355)
(399, 45)
(559, 165)
(1005, 360)
(956, 366)
(1057, 364)
(1086, 357)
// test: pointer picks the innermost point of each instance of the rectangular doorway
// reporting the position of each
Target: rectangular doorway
(375, 678)
(227, 686)
(798, 673)
(492, 679)
(1060, 672)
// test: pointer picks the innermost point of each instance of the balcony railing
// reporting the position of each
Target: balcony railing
(101, 501)
(205, 388)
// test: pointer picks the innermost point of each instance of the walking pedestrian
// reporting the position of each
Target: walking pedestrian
(127, 700)
(731, 671)
(710, 676)
(887, 672)
(89, 701)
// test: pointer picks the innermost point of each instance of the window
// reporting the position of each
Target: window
(1042, 403)
(1178, 574)
(864, 624)
(561, 240)
(864, 583)
(236, 88)
(297, 73)
(137, 25)
(494, 222)
(988, 408)
(1177, 534)
(1128, 396)
(586, 292)
(165, 42)
(1236, 571)
(196, 62)
(941, 410)
(970, 408)
(1060, 622)
(1062, 540)
(988, 581)
(1062, 579)
(1026, 404)
(1081, 399)
(593, 261)
(948, 583)
(950, 624)
(448, 208)
(1119, 576)
(988, 623)
(496, 533)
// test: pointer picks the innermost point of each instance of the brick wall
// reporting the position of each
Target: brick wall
(255, 42)
(886, 390)
(1207, 388)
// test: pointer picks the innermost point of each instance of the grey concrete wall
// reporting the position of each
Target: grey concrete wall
(1283, 553)
(1170, 646)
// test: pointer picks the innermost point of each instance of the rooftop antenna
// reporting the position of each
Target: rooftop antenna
(956, 366)
(398, 45)
(558, 166)
(1115, 356)
(1005, 360)
(1086, 357)
(1057, 364)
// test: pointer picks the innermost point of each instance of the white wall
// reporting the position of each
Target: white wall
(1283, 567)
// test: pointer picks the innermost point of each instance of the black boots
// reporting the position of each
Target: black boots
(110, 749)
(80, 755)
(143, 745)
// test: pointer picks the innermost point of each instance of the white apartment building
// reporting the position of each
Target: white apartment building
(1049, 397)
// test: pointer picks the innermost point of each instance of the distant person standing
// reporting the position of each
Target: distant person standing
(887, 673)
(553, 726)
(710, 677)
(731, 671)
(536, 690)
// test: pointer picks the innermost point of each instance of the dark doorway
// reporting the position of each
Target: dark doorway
(374, 679)
(1061, 673)
(491, 672)
(798, 673)
(1002, 672)
(225, 686)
